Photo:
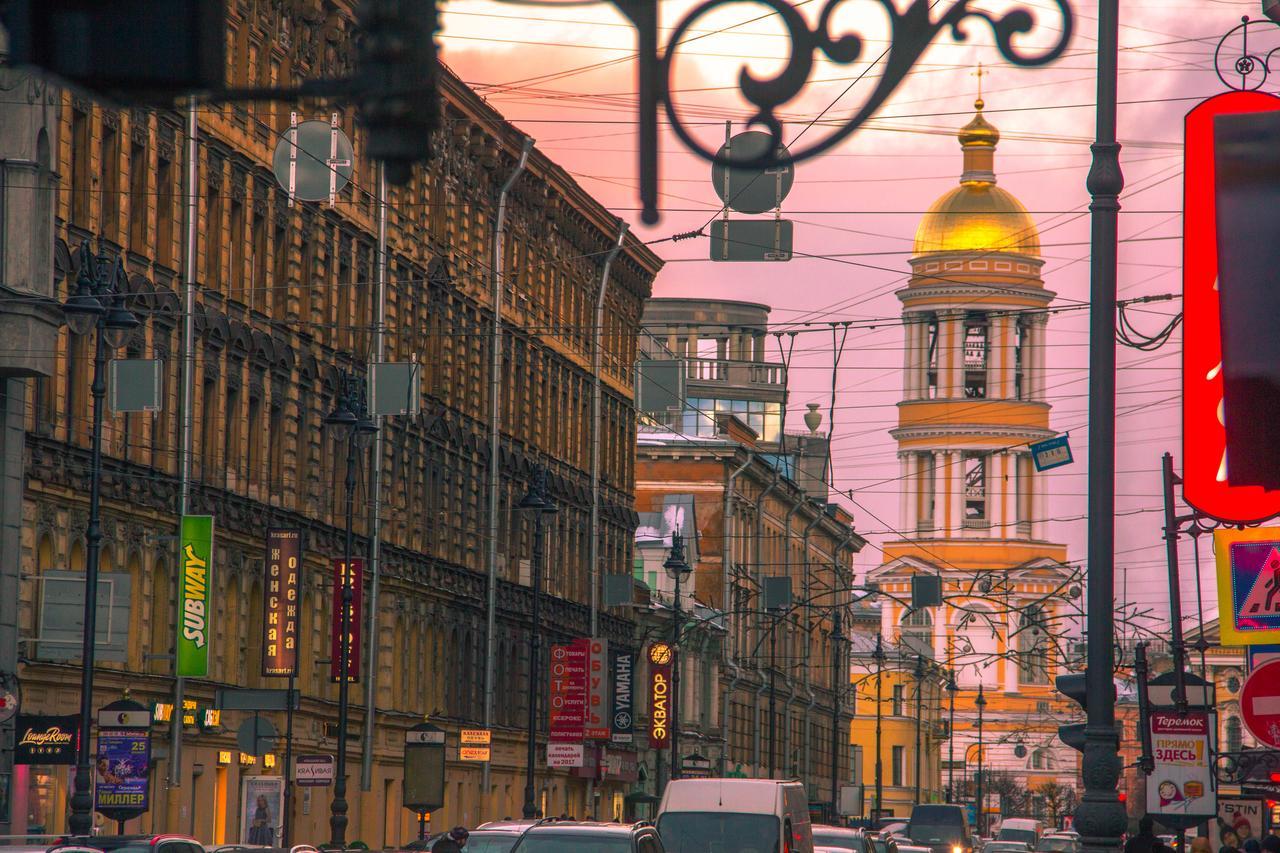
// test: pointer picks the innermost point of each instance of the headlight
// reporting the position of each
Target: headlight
(957, 849)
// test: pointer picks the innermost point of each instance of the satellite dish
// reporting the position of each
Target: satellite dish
(313, 160)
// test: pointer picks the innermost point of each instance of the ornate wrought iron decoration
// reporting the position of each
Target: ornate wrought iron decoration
(910, 33)
(1251, 69)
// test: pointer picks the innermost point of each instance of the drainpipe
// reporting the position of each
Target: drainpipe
(813, 700)
(375, 486)
(764, 679)
(596, 357)
(495, 432)
(726, 571)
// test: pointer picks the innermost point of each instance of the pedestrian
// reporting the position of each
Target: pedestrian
(459, 835)
(1271, 844)
(1230, 843)
(445, 844)
(1145, 841)
(1250, 845)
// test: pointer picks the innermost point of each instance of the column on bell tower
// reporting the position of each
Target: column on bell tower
(912, 374)
(1001, 356)
(1035, 362)
(951, 353)
(955, 492)
(910, 481)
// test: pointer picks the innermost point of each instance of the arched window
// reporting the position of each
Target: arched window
(977, 649)
(917, 632)
(1033, 643)
(1041, 759)
(1234, 733)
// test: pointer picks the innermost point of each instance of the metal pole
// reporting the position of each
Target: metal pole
(837, 690)
(919, 715)
(676, 654)
(879, 658)
(1100, 817)
(981, 806)
(375, 488)
(530, 807)
(338, 808)
(951, 741)
(1175, 586)
(286, 822)
(773, 692)
(1146, 761)
(495, 456)
(189, 262)
(81, 821)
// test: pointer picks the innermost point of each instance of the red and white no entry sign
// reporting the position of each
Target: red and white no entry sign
(1260, 703)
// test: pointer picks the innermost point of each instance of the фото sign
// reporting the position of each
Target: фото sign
(659, 695)
(1248, 563)
(1181, 784)
(196, 579)
(356, 579)
(280, 603)
(44, 739)
(1204, 475)
(568, 710)
(623, 697)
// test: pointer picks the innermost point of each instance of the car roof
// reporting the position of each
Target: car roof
(837, 830)
(587, 827)
(505, 826)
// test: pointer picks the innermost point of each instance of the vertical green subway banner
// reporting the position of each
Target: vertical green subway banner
(195, 578)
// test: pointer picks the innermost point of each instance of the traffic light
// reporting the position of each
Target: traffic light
(398, 74)
(1247, 178)
(1074, 686)
(135, 50)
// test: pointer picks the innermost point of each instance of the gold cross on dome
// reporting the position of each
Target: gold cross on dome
(980, 72)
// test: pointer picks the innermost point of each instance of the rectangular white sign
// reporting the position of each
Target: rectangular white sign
(1182, 782)
(565, 754)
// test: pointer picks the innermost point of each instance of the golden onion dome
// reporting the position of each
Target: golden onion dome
(978, 216)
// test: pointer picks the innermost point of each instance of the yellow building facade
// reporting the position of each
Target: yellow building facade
(973, 506)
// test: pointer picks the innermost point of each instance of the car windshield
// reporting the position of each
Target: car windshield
(925, 833)
(1027, 836)
(1054, 845)
(718, 832)
(839, 840)
(491, 842)
(571, 842)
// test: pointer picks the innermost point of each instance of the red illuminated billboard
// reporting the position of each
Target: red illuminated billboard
(1204, 439)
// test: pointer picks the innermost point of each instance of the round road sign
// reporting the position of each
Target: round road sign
(313, 161)
(1260, 703)
(751, 189)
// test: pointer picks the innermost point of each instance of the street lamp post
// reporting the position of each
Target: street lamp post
(919, 717)
(536, 501)
(838, 681)
(351, 423)
(97, 305)
(677, 570)
(951, 738)
(981, 702)
(878, 657)
(773, 694)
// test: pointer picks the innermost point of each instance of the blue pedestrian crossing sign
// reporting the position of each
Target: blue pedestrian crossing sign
(1051, 453)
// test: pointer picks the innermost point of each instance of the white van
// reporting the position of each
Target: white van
(735, 816)
(1023, 829)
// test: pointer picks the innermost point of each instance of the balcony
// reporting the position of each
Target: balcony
(736, 374)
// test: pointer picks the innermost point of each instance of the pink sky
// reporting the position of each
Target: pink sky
(564, 74)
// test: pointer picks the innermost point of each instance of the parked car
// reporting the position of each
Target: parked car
(842, 839)
(134, 844)
(1022, 829)
(564, 836)
(738, 815)
(941, 828)
(1006, 847)
(1060, 843)
(497, 836)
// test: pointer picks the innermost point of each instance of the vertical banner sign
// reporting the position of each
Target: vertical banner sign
(568, 711)
(598, 709)
(356, 579)
(623, 709)
(280, 609)
(659, 696)
(196, 577)
(1204, 444)
(1181, 783)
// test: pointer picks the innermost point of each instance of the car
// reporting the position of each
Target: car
(941, 828)
(1024, 829)
(497, 836)
(1058, 843)
(842, 839)
(738, 815)
(566, 836)
(134, 844)
(1006, 847)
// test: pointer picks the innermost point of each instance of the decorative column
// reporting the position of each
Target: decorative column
(1000, 350)
(1038, 503)
(910, 493)
(911, 386)
(1036, 362)
(950, 353)
(955, 492)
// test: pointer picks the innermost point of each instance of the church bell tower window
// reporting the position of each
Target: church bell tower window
(975, 490)
(975, 355)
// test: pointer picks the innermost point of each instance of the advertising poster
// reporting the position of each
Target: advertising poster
(196, 577)
(1248, 563)
(623, 715)
(122, 773)
(1242, 817)
(280, 605)
(356, 579)
(261, 804)
(659, 696)
(43, 739)
(1181, 784)
(598, 711)
(568, 711)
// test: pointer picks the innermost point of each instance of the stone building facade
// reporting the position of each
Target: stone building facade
(285, 304)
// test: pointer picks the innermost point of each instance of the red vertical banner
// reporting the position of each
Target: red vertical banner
(355, 577)
(660, 695)
(568, 711)
(280, 604)
(598, 723)
(1204, 438)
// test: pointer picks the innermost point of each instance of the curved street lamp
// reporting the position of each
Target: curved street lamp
(677, 569)
(537, 502)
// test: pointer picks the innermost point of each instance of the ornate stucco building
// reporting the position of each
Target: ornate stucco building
(973, 506)
(285, 303)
